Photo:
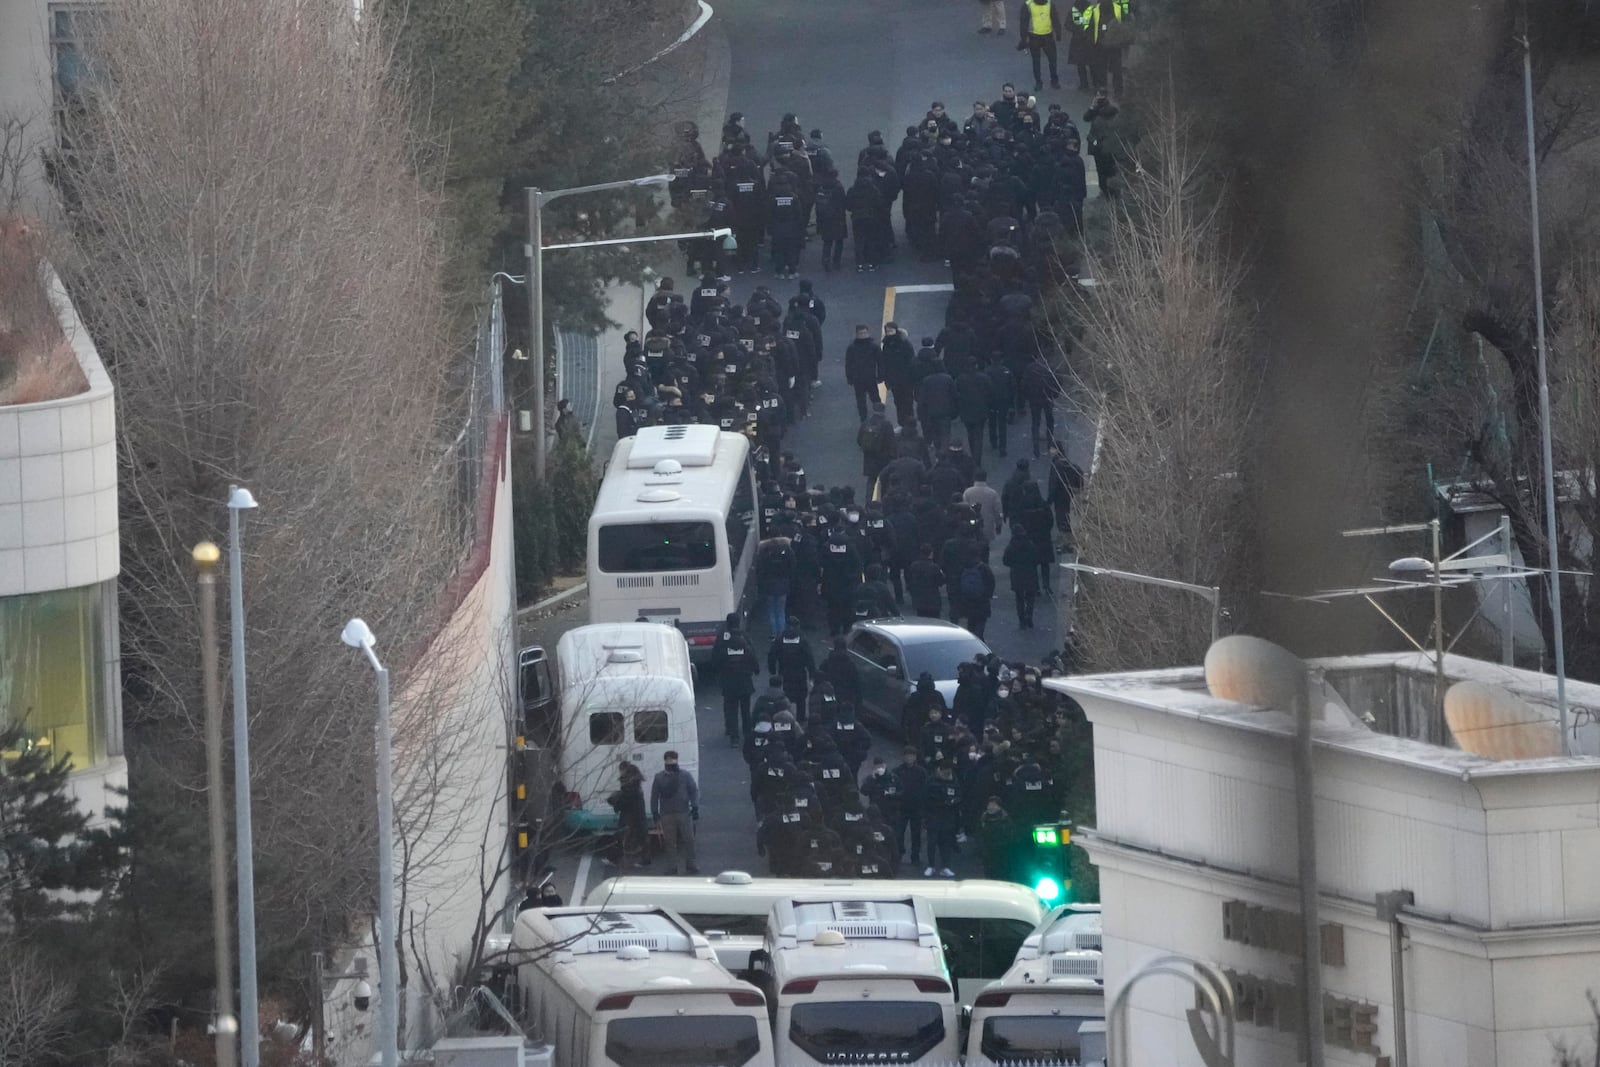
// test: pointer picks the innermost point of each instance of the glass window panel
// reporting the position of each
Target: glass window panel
(650, 727)
(52, 671)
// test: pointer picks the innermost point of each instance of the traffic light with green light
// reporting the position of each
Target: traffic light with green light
(1052, 882)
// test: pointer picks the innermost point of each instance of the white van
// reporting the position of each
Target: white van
(633, 987)
(856, 980)
(627, 692)
(982, 923)
(1039, 1011)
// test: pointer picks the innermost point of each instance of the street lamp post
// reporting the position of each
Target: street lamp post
(206, 556)
(537, 199)
(1552, 546)
(239, 499)
(1210, 593)
(358, 635)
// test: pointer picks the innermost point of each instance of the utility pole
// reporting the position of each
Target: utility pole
(536, 323)
(206, 556)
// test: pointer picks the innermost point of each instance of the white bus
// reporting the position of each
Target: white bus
(982, 924)
(672, 538)
(633, 987)
(1050, 1007)
(856, 979)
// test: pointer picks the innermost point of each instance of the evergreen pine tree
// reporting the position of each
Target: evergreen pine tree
(44, 837)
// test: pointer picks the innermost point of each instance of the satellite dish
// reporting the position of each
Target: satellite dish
(1490, 721)
(1250, 670)
(1254, 671)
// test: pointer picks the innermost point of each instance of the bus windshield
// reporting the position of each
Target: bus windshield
(1035, 1038)
(683, 1041)
(866, 1029)
(651, 547)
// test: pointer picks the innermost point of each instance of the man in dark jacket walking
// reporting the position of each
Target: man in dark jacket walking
(876, 439)
(739, 666)
(1022, 560)
(895, 365)
(924, 580)
(936, 406)
(863, 369)
(675, 804)
(976, 588)
(972, 407)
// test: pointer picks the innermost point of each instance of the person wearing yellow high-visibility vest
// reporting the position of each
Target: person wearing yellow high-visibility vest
(1041, 29)
(1105, 54)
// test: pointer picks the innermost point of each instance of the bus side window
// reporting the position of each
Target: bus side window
(605, 728)
(741, 513)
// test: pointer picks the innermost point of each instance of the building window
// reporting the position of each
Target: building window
(54, 673)
(70, 27)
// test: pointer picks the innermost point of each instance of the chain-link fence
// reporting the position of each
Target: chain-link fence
(480, 387)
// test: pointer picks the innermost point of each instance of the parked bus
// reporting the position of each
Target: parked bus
(626, 691)
(1050, 1007)
(633, 987)
(982, 924)
(672, 538)
(856, 979)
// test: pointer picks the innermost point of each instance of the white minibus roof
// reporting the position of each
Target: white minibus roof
(737, 893)
(595, 953)
(622, 650)
(1068, 928)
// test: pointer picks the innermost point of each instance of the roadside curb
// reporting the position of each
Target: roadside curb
(550, 601)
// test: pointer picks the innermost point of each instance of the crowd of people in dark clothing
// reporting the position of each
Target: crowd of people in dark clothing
(1007, 176)
(1008, 754)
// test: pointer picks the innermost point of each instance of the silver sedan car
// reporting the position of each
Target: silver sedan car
(890, 654)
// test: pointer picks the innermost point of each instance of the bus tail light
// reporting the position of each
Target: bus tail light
(932, 985)
(992, 1000)
(752, 999)
(703, 640)
(801, 985)
(574, 800)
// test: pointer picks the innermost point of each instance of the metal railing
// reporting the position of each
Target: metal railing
(480, 387)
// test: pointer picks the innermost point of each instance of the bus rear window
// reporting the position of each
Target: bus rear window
(683, 1041)
(869, 1030)
(1035, 1038)
(651, 547)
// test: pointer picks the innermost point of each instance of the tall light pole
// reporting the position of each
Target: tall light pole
(537, 199)
(239, 499)
(1544, 393)
(206, 555)
(358, 635)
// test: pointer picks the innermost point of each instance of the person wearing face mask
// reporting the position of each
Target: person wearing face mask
(882, 791)
(675, 805)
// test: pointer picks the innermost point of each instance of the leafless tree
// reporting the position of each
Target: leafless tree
(35, 1006)
(261, 268)
(1166, 349)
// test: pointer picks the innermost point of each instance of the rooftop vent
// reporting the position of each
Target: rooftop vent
(734, 878)
(667, 468)
(630, 952)
(659, 496)
(1076, 965)
(831, 938)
